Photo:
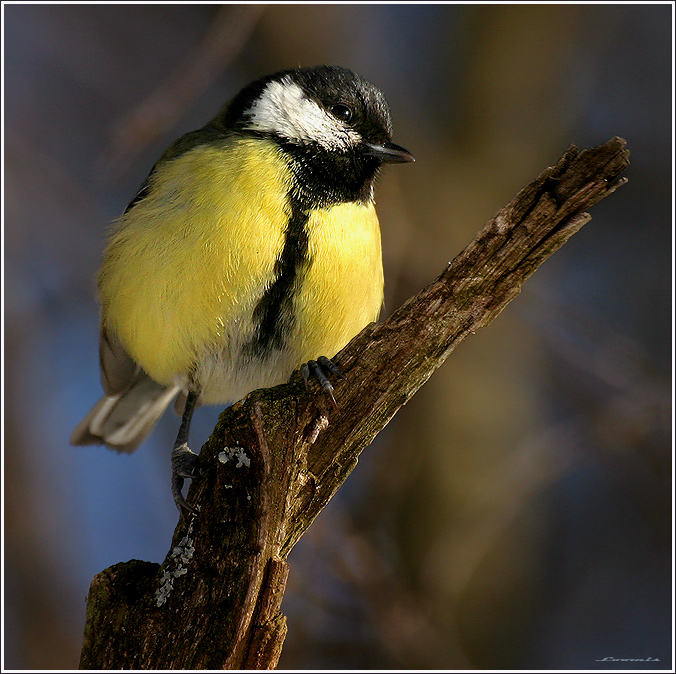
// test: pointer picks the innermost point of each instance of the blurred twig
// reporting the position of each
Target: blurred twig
(226, 37)
(402, 618)
(624, 403)
(215, 602)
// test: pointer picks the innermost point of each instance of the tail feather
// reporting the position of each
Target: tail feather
(123, 421)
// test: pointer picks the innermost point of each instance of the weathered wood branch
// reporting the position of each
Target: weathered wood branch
(276, 458)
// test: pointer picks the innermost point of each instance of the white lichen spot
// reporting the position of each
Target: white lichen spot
(242, 458)
(180, 556)
(235, 453)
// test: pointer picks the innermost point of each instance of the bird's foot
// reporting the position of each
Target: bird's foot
(316, 369)
(184, 465)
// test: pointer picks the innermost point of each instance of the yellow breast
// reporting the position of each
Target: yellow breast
(187, 264)
(342, 290)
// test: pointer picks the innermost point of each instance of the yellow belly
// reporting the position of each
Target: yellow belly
(187, 266)
(343, 289)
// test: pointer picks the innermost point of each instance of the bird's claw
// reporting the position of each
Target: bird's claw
(184, 465)
(316, 369)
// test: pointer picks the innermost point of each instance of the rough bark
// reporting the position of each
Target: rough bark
(276, 458)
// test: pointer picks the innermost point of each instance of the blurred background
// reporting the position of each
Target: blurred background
(517, 512)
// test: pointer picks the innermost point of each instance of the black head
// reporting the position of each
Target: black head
(334, 124)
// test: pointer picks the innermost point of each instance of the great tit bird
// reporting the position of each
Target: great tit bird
(252, 249)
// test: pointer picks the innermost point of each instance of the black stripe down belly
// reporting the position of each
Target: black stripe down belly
(273, 315)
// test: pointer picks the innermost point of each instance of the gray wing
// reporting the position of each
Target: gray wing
(117, 368)
(133, 403)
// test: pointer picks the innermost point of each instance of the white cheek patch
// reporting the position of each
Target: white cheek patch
(284, 109)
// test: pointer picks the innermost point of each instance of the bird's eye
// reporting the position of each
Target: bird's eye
(342, 112)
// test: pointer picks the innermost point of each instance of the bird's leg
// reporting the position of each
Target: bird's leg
(184, 462)
(316, 369)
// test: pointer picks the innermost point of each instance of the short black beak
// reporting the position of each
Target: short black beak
(390, 153)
